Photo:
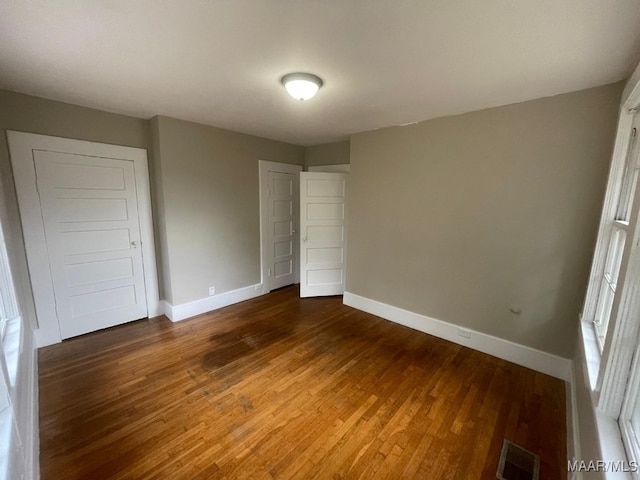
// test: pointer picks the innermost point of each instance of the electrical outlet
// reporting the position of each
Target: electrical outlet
(464, 333)
(212, 291)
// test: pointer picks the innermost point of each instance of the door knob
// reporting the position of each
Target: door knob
(135, 244)
(304, 239)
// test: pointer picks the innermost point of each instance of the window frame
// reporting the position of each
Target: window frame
(617, 352)
(11, 344)
(630, 438)
(617, 251)
(10, 320)
(614, 367)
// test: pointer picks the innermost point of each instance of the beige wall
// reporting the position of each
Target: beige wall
(207, 180)
(335, 153)
(460, 218)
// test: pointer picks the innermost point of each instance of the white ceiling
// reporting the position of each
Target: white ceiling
(384, 62)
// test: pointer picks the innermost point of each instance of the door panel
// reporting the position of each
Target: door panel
(98, 271)
(325, 233)
(325, 188)
(325, 211)
(324, 276)
(322, 233)
(325, 255)
(90, 215)
(91, 209)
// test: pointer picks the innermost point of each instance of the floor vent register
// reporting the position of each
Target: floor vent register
(516, 463)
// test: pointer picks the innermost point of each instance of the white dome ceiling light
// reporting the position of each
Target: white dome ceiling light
(301, 86)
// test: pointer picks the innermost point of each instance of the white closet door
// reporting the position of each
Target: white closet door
(90, 216)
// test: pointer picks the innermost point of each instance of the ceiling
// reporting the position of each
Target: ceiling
(384, 62)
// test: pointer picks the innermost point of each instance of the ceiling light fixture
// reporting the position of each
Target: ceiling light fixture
(301, 86)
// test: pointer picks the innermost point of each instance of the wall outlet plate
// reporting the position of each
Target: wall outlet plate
(464, 333)
(212, 291)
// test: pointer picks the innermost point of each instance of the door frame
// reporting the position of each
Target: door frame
(266, 256)
(21, 145)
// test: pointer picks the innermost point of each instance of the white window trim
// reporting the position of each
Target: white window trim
(12, 441)
(609, 371)
(605, 370)
(11, 322)
(10, 305)
(626, 428)
(620, 343)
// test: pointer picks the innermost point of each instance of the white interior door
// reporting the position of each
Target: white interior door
(90, 216)
(83, 205)
(282, 228)
(322, 233)
(279, 202)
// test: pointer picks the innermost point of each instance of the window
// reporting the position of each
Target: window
(9, 318)
(618, 227)
(611, 314)
(11, 455)
(630, 415)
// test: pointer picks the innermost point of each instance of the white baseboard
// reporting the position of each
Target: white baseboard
(175, 313)
(33, 443)
(538, 360)
(44, 337)
(573, 424)
(166, 308)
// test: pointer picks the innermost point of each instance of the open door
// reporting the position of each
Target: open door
(322, 233)
(279, 224)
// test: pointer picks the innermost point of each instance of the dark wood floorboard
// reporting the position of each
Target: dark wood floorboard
(280, 387)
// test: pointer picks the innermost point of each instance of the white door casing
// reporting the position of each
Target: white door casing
(90, 255)
(322, 233)
(279, 218)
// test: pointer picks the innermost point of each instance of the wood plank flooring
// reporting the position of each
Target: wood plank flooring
(286, 388)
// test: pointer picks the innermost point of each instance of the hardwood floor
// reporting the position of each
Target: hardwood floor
(287, 388)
